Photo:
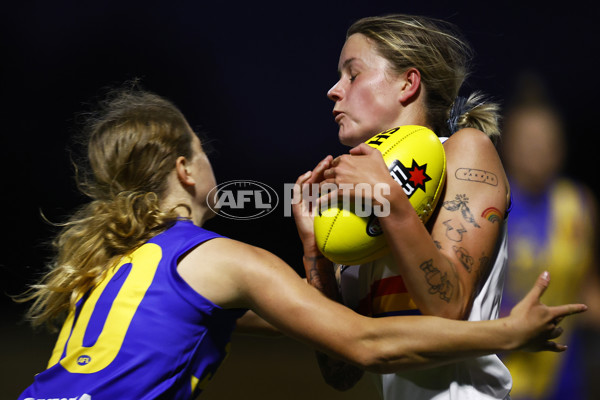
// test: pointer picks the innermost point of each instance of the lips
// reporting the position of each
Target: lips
(338, 115)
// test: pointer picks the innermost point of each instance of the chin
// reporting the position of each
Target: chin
(348, 140)
(352, 138)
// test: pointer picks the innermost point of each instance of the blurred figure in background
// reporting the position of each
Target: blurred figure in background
(552, 226)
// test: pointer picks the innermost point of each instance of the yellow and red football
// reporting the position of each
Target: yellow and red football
(416, 160)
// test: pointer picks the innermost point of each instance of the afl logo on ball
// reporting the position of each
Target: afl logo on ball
(410, 178)
(242, 199)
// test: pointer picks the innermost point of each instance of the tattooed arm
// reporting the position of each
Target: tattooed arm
(320, 274)
(336, 373)
(443, 267)
(441, 263)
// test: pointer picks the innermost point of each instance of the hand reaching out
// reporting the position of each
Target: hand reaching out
(536, 324)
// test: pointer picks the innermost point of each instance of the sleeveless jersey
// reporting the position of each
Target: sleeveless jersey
(376, 289)
(142, 332)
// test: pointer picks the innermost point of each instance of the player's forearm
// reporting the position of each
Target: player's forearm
(397, 343)
(336, 373)
(427, 341)
(320, 274)
(430, 277)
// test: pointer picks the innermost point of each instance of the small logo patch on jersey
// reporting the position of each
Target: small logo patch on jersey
(84, 360)
(410, 179)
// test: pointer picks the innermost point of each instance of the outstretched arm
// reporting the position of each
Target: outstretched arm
(265, 284)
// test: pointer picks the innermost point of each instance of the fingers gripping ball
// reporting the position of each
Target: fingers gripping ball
(416, 160)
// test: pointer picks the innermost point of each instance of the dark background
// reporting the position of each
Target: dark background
(254, 76)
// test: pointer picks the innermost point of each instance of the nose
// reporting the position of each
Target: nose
(335, 93)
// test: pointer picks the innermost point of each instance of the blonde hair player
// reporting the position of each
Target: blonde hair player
(407, 70)
(148, 299)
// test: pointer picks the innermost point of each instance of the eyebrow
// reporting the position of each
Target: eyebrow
(346, 63)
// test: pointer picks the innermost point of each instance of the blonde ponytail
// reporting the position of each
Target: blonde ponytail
(132, 145)
(89, 243)
(475, 112)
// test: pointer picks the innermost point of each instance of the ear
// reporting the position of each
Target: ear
(410, 86)
(183, 172)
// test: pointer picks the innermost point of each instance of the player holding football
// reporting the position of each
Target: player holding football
(148, 299)
(407, 70)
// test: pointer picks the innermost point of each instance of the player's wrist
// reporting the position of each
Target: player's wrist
(385, 192)
(512, 339)
(316, 262)
(399, 206)
(310, 249)
(313, 257)
(397, 197)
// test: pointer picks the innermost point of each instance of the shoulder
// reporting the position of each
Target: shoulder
(471, 157)
(471, 148)
(221, 269)
(229, 253)
(469, 139)
(183, 235)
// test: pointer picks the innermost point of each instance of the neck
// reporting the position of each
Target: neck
(413, 113)
(185, 209)
(183, 205)
(182, 199)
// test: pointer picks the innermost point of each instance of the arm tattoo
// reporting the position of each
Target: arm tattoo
(476, 175)
(460, 203)
(469, 262)
(324, 281)
(338, 374)
(492, 214)
(438, 281)
(484, 262)
(454, 231)
(314, 278)
(465, 259)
